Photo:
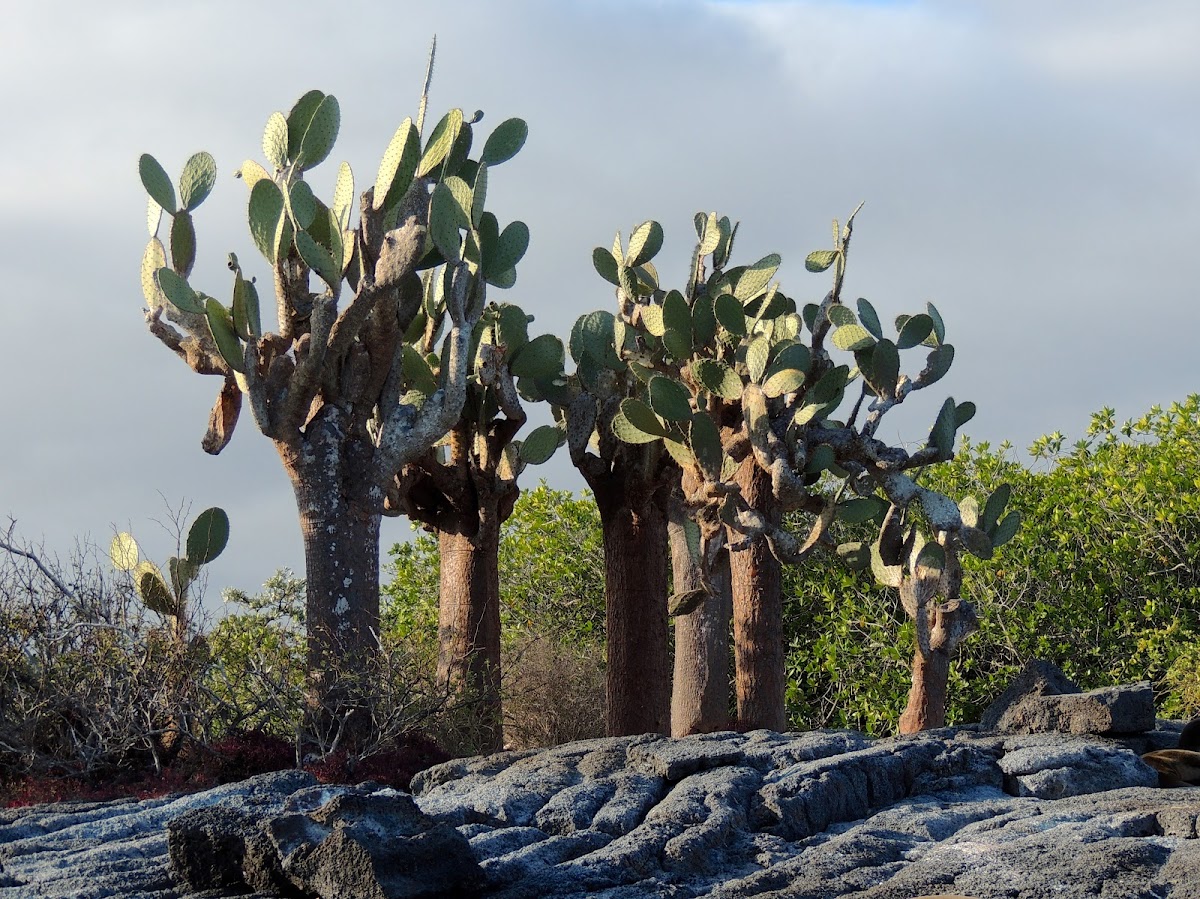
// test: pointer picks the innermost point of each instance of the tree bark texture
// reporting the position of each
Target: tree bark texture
(757, 585)
(927, 697)
(638, 679)
(700, 686)
(469, 626)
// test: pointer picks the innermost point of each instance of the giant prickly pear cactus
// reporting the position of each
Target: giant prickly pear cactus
(328, 385)
(464, 488)
(740, 387)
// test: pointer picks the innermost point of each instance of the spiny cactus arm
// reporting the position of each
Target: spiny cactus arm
(406, 432)
(752, 524)
(310, 352)
(495, 373)
(197, 349)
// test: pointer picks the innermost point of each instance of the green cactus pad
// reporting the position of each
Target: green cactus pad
(153, 216)
(299, 118)
(444, 223)
(1006, 529)
(182, 573)
(302, 204)
(246, 321)
(680, 452)
(939, 327)
(418, 375)
(510, 249)
(669, 399)
(841, 316)
(820, 260)
(207, 536)
(994, 508)
(789, 380)
(963, 413)
(758, 354)
(479, 186)
(635, 422)
(319, 259)
(652, 320)
(913, 330)
(220, 323)
(266, 208)
(251, 172)
(888, 575)
(542, 357)
(505, 141)
(676, 315)
(852, 338)
(968, 511)
(397, 167)
(154, 258)
(644, 243)
(605, 265)
(541, 443)
(754, 280)
(787, 354)
(512, 327)
(704, 320)
(718, 378)
(178, 291)
(830, 386)
(157, 182)
(275, 141)
(729, 313)
(856, 511)
(705, 442)
(196, 182)
(152, 590)
(320, 134)
(856, 555)
(183, 243)
(463, 198)
(598, 339)
(343, 196)
(725, 246)
(123, 551)
(976, 542)
(885, 369)
(941, 435)
(710, 234)
(937, 363)
(677, 344)
(870, 318)
(441, 141)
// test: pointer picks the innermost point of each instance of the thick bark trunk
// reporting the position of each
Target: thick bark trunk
(469, 626)
(700, 687)
(927, 698)
(638, 680)
(757, 581)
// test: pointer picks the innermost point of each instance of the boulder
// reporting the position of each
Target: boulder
(1126, 709)
(1037, 678)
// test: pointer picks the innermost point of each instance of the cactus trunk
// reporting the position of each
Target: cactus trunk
(700, 687)
(927, 697)
(757, 581)
(340, 527)
(638, 679)
(469, 625)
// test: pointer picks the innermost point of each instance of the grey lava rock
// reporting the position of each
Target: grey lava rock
(954, 812)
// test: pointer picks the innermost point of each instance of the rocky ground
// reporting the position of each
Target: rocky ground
(958, 812)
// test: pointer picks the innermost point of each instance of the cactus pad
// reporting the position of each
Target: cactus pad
(123, 551)
(445, 133)
(541, 443)
(504, 142)
(207, 536)
(157, 182)
(196, 182)
(178, 291)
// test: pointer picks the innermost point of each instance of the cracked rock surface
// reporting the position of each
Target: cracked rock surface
(809, 815)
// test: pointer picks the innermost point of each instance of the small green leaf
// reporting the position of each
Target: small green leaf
(196, 182)
(157, 182)
(504, 142)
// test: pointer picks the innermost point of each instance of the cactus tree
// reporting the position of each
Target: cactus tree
(326, 387)
(464, 489)
(741, 388)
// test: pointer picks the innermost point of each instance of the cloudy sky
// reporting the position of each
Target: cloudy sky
(1033, 168)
